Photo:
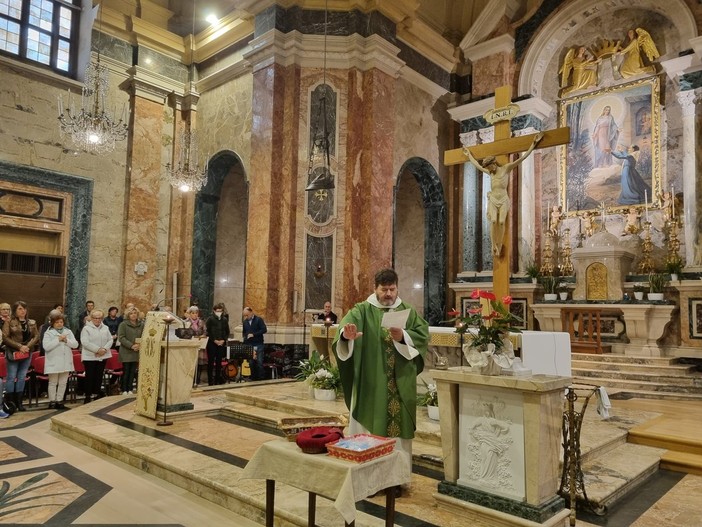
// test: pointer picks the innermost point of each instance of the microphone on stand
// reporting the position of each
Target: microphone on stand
(157, 307)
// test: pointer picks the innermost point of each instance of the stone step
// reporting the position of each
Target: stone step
(641, 386)
(618, 357)
(682, 462)
(679, 380)
(630, 393)
(674, 369)
(611, 476)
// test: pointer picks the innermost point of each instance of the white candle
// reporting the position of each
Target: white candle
(646, 202)
(603, 215)
(672, 197)
(548, 215)
(566, 206)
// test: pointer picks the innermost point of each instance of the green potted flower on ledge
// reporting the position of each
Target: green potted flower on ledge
(674, 268)
(532, 271)
(326, 382)
(550, 284)
(656, 282)
(639, 290)
(430, 399)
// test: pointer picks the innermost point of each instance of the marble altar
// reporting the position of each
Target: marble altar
(645, 324)
(500, 440)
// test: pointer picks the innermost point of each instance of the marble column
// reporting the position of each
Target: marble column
(144, 214)
(692, 207)
(370, 181)
(270, 242)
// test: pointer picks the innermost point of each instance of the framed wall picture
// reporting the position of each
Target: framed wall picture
(468, 303)
(695, 306)
(518, 308)
(613, 158)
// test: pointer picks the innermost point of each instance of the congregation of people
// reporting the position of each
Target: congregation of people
(31, 351)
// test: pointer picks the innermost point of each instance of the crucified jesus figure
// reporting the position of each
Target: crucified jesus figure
(498, 199)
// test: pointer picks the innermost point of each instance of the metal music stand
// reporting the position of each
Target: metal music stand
(238, 352)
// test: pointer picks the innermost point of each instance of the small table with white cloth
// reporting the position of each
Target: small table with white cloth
(345, 482)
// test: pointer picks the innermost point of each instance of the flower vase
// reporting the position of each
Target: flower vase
(481, 361)
(433, 412)
(492, 368)
(324, 395)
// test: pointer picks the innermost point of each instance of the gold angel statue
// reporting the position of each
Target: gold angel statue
(639, 41)
(583, 67)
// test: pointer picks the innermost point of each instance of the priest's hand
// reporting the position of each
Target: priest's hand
(351, 332)
(396, 334)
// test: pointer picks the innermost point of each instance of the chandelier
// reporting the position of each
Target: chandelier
(186, 175)
(91, 128)
(319, 170)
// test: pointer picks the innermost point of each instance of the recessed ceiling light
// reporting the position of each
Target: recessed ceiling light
(212, 19)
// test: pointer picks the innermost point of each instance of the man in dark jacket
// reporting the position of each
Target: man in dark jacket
(217, 327)
(254, 328)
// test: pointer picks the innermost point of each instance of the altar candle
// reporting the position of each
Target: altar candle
(646, 202)
(548, 215)
(566, 211)
(672, 197)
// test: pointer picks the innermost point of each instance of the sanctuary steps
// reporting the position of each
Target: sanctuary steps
(648, 377)
(205, 449)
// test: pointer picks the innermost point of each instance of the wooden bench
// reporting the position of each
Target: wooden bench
(583, 326)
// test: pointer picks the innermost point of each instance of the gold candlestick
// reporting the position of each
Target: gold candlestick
(646, 263)
(547, 256)
(566, 263)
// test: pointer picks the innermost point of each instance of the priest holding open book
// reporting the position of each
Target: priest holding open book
(380, 351)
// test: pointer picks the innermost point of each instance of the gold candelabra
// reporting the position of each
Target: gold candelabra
(673, 243)
(547, 256)
(566, 263)
(646, 263)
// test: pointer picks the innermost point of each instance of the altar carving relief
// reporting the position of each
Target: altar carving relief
(596, 281)
(490, 438)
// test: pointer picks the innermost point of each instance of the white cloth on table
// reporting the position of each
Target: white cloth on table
(345, 482)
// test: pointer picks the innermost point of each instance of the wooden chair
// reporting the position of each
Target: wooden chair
(583, 326)
(77, 373)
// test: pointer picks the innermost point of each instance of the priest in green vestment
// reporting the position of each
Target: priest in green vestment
(379, 365)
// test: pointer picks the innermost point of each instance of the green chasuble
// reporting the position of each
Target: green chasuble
(380, 385)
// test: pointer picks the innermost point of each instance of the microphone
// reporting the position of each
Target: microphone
(157, 307)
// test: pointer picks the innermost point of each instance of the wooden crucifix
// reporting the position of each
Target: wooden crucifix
(495, 162)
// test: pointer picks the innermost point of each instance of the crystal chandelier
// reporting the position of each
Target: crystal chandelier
(91, 128)
(186, 174)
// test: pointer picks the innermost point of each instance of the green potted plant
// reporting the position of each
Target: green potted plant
(308, 367)
(656, 283)
(674, 268)
(550, 285)
(326, 382)
(430, 399)
(639, 290)
(563, 291)
(532, 271)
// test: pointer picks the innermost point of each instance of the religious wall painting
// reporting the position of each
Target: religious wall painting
(518, 308)
(468, 304)
(695, 313)
(613, 157)
(322, 139)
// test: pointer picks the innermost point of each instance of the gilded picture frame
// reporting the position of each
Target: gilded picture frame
(695, 315)
(614, 154)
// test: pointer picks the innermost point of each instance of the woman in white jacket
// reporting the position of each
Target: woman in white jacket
(58, 343)
(95, 342)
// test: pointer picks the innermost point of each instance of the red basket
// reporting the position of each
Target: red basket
(361, 447)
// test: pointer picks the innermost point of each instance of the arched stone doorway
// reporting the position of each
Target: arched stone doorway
(434, 234)
(219, 235)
